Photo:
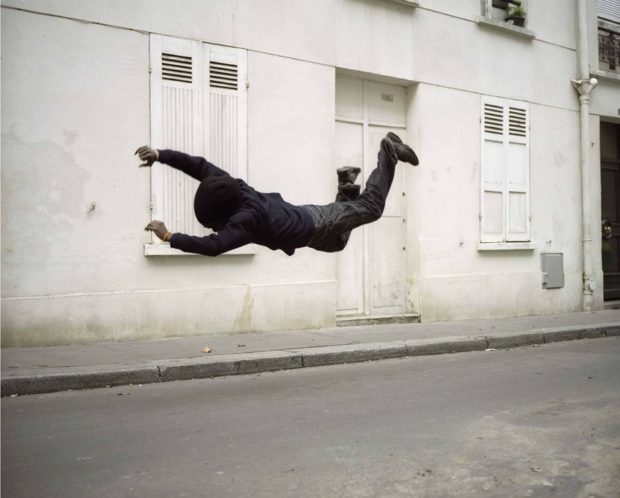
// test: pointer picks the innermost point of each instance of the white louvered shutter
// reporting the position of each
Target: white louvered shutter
(198, 106)
(226, 108)
(518, 166)
(176, 123)
(504, 171)
(609, 10)
(493, 172)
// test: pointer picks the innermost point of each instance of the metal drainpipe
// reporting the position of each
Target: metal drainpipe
(584, 86)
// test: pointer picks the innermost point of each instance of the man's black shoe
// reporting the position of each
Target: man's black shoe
(347, 174)
(403, 151)
(394, 137)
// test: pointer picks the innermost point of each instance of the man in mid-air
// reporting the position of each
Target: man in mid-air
(240, 215)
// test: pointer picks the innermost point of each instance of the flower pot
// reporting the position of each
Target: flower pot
(516, 20)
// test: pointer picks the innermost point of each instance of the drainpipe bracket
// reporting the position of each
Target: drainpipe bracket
(589, 284)
(584, 87)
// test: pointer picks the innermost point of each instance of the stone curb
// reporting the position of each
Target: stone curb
(78, 379)
(513, 341)
(573, 333)
(425, 347)
(232, 364)
(250, 363)
(352, 353)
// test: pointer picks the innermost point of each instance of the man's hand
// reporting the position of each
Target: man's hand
(148, 155)
(159, 229)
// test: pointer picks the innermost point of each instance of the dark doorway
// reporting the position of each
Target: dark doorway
(610, 198)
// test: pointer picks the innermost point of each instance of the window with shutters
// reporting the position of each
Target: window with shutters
(499, 9)
(507, 16)
(198, 106)
(504, 192)
(608, 13)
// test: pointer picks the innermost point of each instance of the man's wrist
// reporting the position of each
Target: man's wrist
(167, 236)
(157, 154)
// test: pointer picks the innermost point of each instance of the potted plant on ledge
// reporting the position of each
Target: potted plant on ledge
(516, 14)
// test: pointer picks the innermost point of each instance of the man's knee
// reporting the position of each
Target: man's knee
(372, 206)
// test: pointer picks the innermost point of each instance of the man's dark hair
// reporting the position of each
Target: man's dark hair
(216, 199)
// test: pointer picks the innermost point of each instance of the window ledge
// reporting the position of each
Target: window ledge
(166, 250)
(409, 3)
(606, 75)
(505, 27)
(506, 246)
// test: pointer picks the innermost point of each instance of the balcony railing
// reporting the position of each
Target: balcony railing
(609, 47)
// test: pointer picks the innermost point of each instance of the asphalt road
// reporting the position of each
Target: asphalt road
(537, 422)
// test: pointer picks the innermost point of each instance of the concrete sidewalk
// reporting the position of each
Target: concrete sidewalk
(59, 368)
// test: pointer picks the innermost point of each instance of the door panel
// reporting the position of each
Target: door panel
(350, 275)
(350, 145)
(350, 98)
(371, 270)
(387, 294)
(385, 104)
(610, 208)
(387, 257)
(610, 189)
(350, 264)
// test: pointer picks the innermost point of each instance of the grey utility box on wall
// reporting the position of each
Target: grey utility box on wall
(553, 270)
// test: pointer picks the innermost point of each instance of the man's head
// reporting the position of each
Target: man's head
(216, 200)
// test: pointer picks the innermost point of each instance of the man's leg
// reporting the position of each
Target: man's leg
(339, 218)
(348, 190)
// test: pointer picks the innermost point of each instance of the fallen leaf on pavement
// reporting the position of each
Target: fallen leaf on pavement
(206, 350)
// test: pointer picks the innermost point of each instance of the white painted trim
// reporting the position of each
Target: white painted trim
(370, 122)
(166, 250)
(506, 246)
(606, 75)
(408, 3)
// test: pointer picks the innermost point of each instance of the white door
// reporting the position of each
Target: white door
(372, 269)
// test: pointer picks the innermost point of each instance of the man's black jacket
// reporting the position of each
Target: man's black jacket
(264, 219)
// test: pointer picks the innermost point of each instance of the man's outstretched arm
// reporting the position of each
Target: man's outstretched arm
(194, 166)
(231, 237)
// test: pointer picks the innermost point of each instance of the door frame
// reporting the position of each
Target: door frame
(368, 165)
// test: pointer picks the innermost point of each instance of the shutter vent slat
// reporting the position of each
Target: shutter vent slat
(517, 122)
(493, 119)
(176, 67)
(223, 75)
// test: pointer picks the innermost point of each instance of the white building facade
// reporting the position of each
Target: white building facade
(505, 216)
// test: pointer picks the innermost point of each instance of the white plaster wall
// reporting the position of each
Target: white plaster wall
(326, 31)
(373, 36)
(74, 103)
(75, 107)
(461, 54)
(455, 279)
(553, 21)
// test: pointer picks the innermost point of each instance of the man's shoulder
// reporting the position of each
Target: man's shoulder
(244, 217)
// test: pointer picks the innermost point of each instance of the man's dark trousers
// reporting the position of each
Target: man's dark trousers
(334, 222)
